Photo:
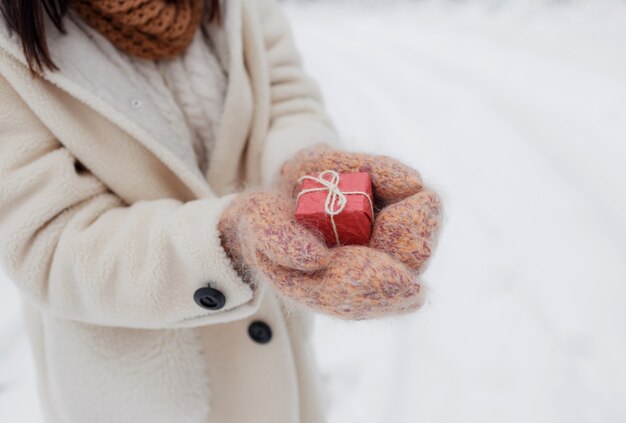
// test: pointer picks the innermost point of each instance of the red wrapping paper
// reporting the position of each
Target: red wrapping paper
(354, 223)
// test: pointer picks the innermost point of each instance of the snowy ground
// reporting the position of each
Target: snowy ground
(517, 114)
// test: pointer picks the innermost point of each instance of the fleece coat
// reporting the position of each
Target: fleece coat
(108, 227)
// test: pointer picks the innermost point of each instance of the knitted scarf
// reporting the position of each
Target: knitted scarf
(149, 29)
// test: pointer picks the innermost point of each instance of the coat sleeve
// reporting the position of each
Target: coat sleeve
(298, 116)
(77, 251)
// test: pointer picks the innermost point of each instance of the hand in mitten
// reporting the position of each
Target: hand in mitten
(353, 282)
(407, 218)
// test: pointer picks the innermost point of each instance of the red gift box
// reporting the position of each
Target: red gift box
(344, 199)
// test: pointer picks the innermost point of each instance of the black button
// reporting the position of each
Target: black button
(260, 332)
(209, 298)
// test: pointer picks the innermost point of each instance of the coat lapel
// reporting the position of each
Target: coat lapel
(227, 164)
(88, 75)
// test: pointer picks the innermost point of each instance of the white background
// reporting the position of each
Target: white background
(516, 113)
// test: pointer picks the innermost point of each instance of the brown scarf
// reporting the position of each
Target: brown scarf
(149, 29)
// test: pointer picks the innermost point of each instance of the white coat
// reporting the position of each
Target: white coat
(108, 229)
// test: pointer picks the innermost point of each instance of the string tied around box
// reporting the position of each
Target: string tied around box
(336, 199)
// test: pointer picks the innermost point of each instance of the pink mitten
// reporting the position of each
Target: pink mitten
(408, 216)
(353, 282)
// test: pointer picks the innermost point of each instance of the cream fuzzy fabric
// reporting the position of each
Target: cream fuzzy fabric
(108, 226)
(188, 89)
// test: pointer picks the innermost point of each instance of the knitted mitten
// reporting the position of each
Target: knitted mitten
(408, 216)
(353, 282)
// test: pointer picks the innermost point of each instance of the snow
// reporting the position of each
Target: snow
(516, 113)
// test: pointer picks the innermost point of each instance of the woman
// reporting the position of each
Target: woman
(149, 155)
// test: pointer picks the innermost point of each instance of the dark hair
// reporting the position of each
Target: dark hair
(26, 18)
